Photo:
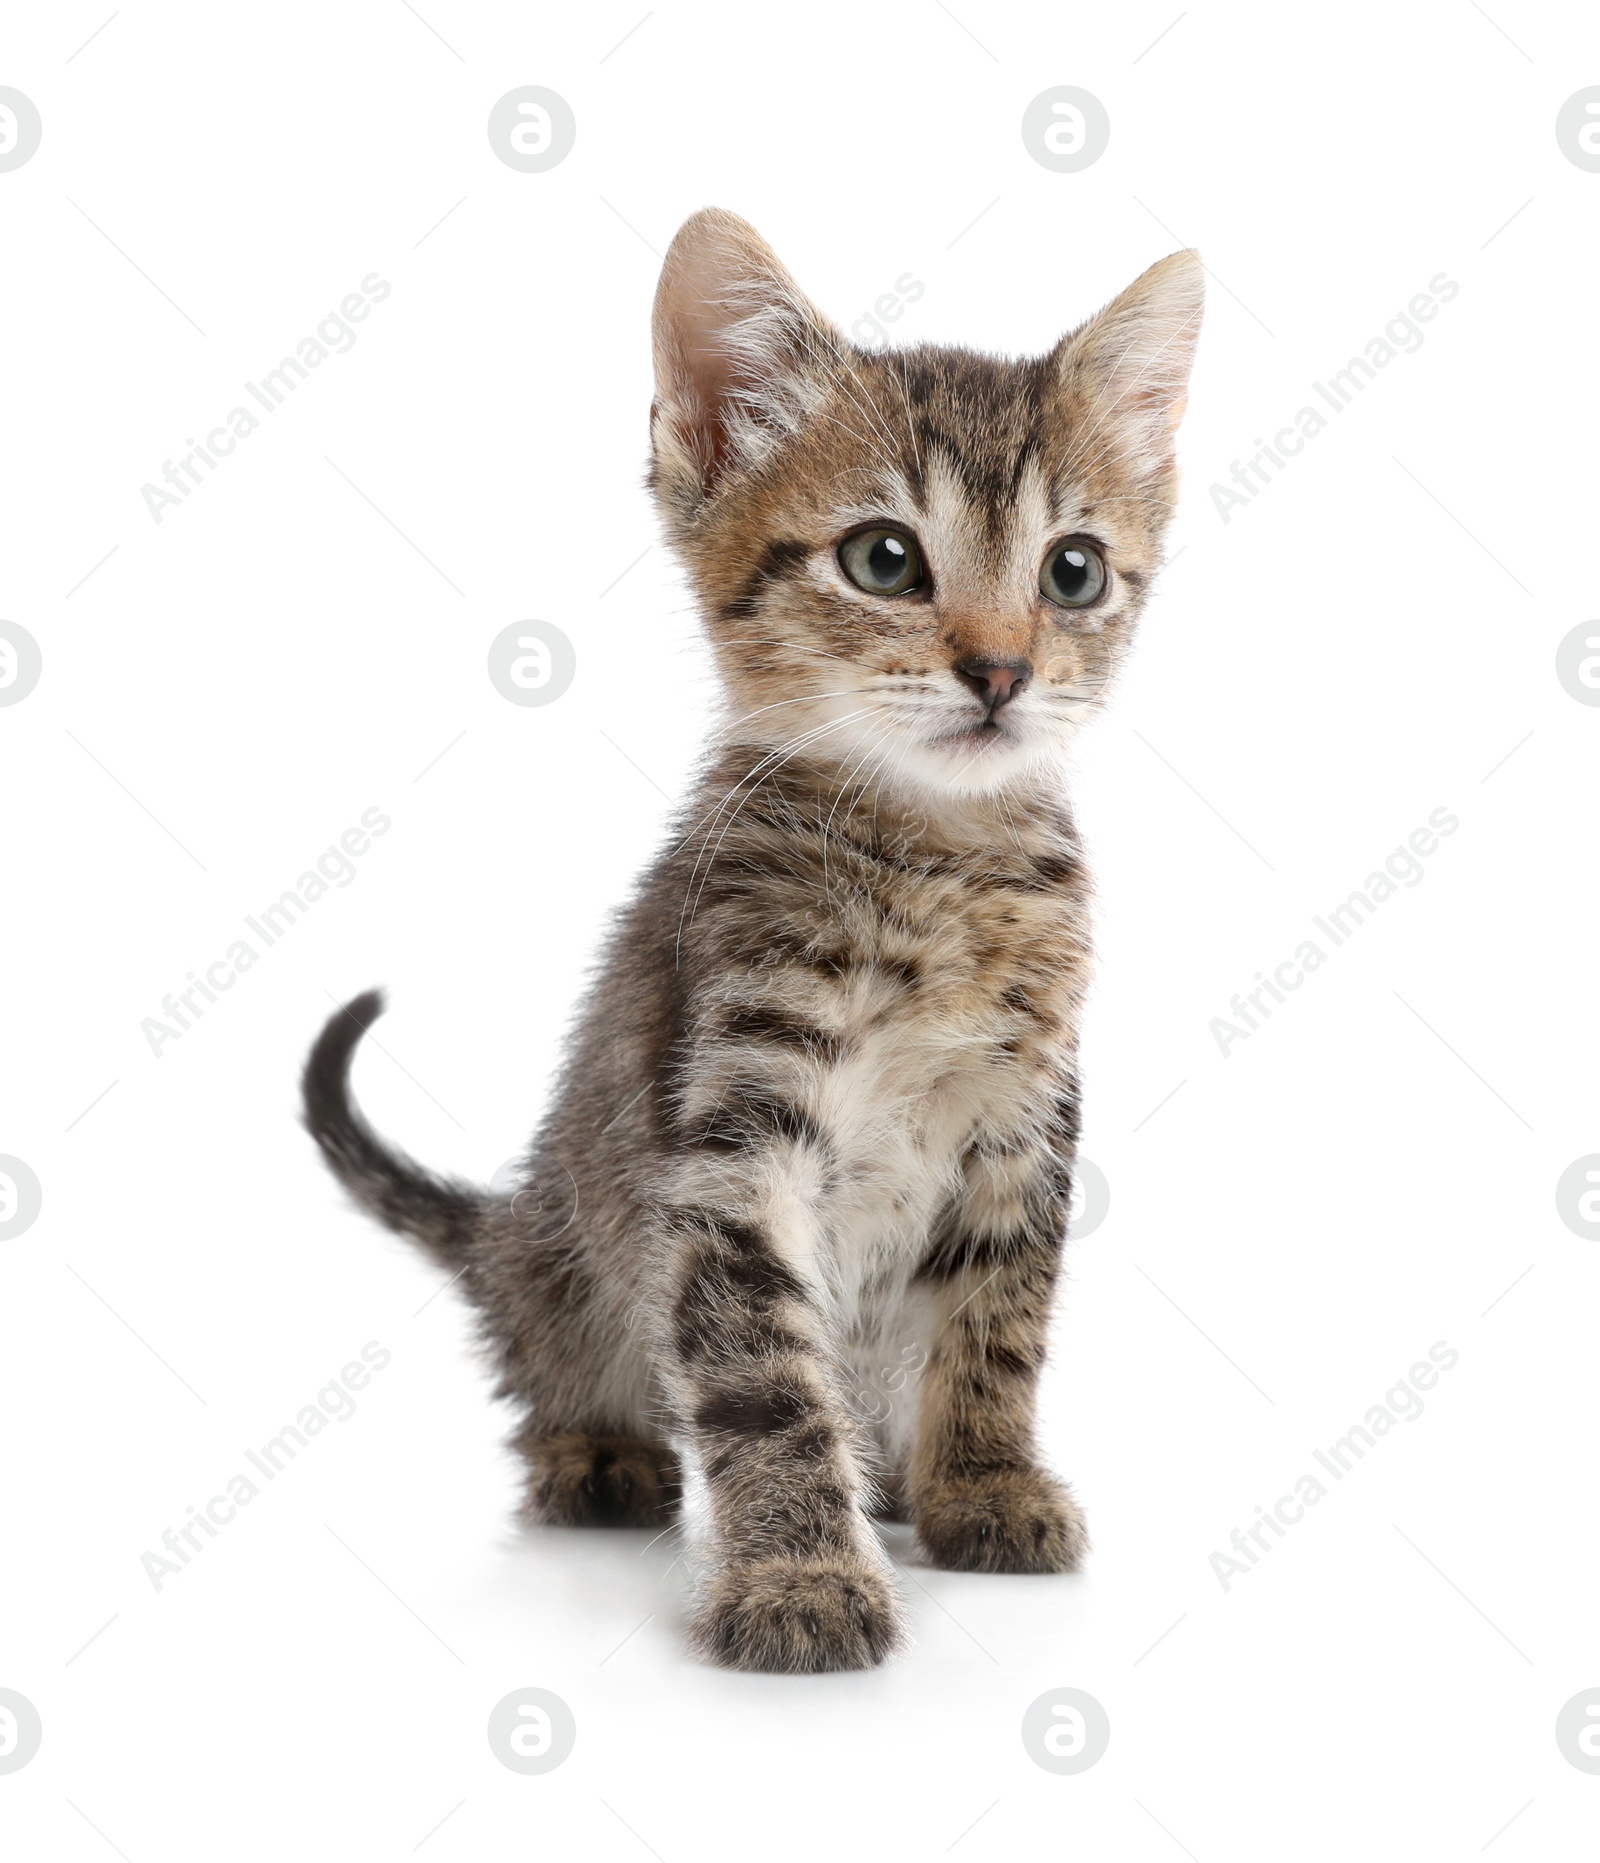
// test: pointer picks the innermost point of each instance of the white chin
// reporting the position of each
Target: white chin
(972, 762)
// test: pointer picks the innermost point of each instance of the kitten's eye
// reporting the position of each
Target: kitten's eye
(883, 562)
(1073, 575)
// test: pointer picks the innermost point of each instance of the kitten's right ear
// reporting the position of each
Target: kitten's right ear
(741, 356)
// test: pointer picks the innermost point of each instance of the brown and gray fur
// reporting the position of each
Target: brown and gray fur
(794, 1221)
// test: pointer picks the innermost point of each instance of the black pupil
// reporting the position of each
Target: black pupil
(887, 560)
(1071, 573)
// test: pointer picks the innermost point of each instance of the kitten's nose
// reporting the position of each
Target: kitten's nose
(996, 682)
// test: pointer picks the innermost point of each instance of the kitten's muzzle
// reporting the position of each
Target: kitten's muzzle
(996, 682)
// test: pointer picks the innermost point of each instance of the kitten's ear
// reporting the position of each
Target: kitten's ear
(1127, 369)
(740, 355)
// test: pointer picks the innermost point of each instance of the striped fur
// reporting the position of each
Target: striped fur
(802, 1193)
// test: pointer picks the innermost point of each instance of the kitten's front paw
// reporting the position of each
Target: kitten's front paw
(1005, 1520)
(797, 1614)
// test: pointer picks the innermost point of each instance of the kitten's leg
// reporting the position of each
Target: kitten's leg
(582, 1478)
(889, 1499)
(979, 1497)
(800, 1583)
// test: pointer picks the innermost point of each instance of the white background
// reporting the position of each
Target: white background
(1288, 1233)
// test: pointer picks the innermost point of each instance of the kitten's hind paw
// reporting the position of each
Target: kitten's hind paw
(1004, 1520)
(578, 1480)
(799, 1614)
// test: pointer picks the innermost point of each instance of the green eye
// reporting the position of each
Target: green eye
(1074, 574)
(883, 562)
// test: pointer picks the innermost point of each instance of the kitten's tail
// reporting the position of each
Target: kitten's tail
(437, 1212)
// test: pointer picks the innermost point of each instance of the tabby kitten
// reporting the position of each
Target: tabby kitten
(801, 1196)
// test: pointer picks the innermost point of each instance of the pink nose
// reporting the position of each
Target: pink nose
(996, 682)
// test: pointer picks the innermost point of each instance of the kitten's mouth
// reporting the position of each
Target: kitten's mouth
(971, 737)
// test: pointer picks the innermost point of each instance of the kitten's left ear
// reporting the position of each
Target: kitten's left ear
(741, 354)
(1127, 369)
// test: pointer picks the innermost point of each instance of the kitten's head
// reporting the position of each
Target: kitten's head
(924, 563)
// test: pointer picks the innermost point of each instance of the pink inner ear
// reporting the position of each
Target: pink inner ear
(726, 316)
(699, 325)
(1140, 348)
(1162, 400)
(705, 367)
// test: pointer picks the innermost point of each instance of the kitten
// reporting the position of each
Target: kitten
(797, 1212)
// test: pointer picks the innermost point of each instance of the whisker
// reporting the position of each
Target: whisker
(804, 740)
(802, 699)
(843, 363)
(911, 424)
(828, 824)
(757, 774)
(711, 814)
